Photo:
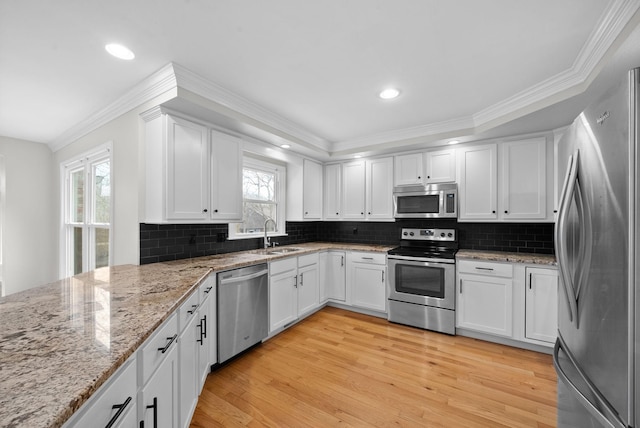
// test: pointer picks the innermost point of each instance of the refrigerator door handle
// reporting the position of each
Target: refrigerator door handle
(613, 420)
(568, 191)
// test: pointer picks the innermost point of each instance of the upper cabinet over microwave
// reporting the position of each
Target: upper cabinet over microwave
(430, 201)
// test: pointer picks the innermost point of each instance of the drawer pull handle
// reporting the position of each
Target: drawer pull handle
(120, 408)
(192, 310)
(367, 258)
(171, 340)
(207, 290)
(484, 268)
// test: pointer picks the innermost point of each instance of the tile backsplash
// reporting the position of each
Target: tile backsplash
(181, 241)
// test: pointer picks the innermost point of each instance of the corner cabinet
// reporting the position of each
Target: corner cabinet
(304, 191)
(192, 172)
(333, 278)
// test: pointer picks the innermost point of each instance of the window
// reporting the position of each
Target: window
(87, 200)
(263, 196)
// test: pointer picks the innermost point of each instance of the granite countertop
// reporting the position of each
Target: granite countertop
(60, 342)
(499, 256)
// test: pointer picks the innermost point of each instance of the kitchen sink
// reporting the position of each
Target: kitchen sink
(282, 250)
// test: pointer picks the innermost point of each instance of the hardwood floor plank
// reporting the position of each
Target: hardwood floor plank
(343, 369)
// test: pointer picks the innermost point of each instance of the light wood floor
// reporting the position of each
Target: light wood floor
(338, 368)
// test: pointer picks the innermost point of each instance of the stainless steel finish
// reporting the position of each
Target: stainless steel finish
(421, 259)
(598, 352)
(243, 318)
(448, 302)
(441, 190)
(267, 241)
(448, 235)
(427, 317)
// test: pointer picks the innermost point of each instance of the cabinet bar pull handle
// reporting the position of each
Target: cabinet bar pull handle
(460, 285)
(295, 284)
(207, 290)
(301, 279)
(529, 281)
(341, 261)
(367, 258)
(166, 347)
(484, 268)
(382, 276)
(192, 310)
(204, 322)
(120, 408)
(154, 406)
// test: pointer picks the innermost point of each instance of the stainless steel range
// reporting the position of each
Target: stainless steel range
(422, 279)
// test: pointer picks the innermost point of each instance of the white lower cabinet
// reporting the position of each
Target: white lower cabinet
(114, 404)
(485, 304)
(333, 277)
(541, 308)
(188, 363)
(367, 280)
(294, 289)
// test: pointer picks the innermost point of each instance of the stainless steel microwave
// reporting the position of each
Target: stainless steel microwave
(430, 201)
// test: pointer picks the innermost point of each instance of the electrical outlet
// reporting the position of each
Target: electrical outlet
(355, 230)
(192, 239)
(221, 237)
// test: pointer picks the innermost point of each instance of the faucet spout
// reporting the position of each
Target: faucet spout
(267, 241)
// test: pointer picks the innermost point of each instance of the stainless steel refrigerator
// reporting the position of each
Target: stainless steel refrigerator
(596, 354)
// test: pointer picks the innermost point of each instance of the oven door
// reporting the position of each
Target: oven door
(423, 282)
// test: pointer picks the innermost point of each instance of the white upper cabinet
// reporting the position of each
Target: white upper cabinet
(333, 191)
(408, 169)
(353, 178)
(379, 182)
(192, 173)
(441, 166)
(226, 177)
(312, 190)
(477, 189)
(187, 170)
(523, 179)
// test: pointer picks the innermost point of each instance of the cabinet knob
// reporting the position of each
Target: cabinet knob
(215, 211)
(555, 211)
(506, 212)
(337, 214)
(306, 212)
(493, 212)
(369, 213)
(361, 213)
(428, 176)
(205, 210)
(419, 177)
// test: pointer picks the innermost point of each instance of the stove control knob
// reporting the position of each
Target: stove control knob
(450, 234)
(405, 233)
(442, 234)
(411, 233)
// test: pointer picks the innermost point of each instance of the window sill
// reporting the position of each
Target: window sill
(261, 236)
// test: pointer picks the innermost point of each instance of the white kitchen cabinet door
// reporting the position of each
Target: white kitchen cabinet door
(523, 179)
(335, 279)
(312, 190)
(283, 299)
(477, 189)
(441, 166)
(188, 370)
(187, 170)
(353, 191)
(159, 397)
(541, 297)
(408, 169)
(485, 304)
(333, 191)
(368, 286)
(379, 188)
(308, 289)
(226, 177)
(205, 330)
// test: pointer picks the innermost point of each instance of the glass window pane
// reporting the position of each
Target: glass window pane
(76, 250)
(255, 214)
(77, 197)
(259, 185)
(102, 192)
(102, 247)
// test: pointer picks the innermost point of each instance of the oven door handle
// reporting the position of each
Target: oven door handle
(422, 259)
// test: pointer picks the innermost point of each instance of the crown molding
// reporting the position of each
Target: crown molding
(158, 83)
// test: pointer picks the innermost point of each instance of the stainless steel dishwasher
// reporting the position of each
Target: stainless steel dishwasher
(243, 319)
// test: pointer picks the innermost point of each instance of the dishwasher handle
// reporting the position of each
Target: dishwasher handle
(235, 279)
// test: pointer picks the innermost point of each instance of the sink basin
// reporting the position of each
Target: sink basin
(282, 250)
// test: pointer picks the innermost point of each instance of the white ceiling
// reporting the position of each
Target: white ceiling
(463, 66)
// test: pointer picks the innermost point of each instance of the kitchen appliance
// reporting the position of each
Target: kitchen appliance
(422, 279)
(426, 201)
(596, 354)
(243, 301)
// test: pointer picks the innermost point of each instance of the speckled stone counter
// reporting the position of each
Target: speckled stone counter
(499, 256)
(60, 342)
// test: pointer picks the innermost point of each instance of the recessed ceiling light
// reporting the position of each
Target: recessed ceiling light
(285, 146)
(454, 142)
(389, 93)
(120, 51)
(357, 156)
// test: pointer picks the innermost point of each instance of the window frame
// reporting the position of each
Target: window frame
(280, 172)
(84, 163)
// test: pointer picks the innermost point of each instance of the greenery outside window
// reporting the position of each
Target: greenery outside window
(87, 202)
(263, 199)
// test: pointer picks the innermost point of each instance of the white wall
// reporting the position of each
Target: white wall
(29, 235)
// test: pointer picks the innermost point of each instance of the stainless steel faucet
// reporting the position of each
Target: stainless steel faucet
(267, 241)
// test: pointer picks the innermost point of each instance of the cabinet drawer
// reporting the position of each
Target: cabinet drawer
(119, 390)
(285, 265)
(504, 270)
(187, 311)
(207, 288)
(151, 353)
(308, 259)
(371, 258)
